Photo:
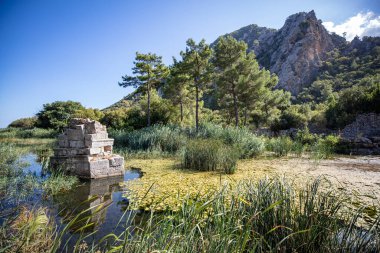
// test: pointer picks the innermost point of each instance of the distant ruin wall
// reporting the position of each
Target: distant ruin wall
(85, 150)
(362, 137)
(365, 125)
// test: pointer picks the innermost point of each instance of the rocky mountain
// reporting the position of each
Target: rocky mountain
(294, 52)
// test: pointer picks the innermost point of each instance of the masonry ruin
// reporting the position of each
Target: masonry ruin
(85, 150)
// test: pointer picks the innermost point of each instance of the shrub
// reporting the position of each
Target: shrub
(242, 138)
(57, 114)
(281, 146)
(210, 155)
(305, 137)
(26, 123)
(325, 147)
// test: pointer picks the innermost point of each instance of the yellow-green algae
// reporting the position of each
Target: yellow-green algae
(165, 185)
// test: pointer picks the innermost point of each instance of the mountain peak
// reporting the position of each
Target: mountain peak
(294, 52)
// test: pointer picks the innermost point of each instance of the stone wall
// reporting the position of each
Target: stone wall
(365, 125)
(362, 137)
(85, 150)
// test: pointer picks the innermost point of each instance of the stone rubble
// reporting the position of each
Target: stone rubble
(85, 150)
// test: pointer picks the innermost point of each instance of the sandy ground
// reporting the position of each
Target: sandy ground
(359, 176)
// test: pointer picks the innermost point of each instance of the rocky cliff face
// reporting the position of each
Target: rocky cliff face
(294, 52)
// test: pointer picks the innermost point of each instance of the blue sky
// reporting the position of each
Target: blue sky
(78, 50)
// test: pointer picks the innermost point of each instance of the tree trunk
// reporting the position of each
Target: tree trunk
(181, 109)
(245, 116)
(148, 113)
(236, 111)
(196, 107)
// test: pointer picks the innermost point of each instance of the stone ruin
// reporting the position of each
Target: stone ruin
(85, 150)
(362, 137)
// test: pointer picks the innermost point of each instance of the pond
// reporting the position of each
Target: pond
(88, 194)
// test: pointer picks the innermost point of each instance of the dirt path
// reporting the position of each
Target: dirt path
(358, 176)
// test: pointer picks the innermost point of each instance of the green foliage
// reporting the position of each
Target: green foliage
(352, 101)
(281, 146)
(25, 123)
(178, 90)
(57, 114)
(210, 155)
(94, 114)
(325, 147)
(305, 137)
(59, 182)
(115, 118)
(319, 92)
(295, 116)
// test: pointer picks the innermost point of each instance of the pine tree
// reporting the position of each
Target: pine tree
(196, 63)
(148, 72)
(230, 67)
(177, 87)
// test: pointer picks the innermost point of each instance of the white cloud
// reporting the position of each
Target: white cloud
(363, 24)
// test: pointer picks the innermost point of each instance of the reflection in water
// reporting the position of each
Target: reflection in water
(106, 192)
(89, 196)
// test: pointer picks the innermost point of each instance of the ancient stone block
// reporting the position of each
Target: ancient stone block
(76, 144)
(99, 143)
(74, 134)
(93, 127)
(85, 150)
(98, 136)
(116, 161)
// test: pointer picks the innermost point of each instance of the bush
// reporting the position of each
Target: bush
(281, 146)
(210, 155)
(242, 138)
(57, 114)
(26, 123)
(325, 147)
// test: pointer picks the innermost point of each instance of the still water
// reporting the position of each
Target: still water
(107, 192)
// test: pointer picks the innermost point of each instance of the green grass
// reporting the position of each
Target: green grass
(210, 155)
(27, 133)
(59, 182)
(156, 138)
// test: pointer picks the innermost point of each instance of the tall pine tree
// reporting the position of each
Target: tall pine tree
(196, 63)
(148, 72)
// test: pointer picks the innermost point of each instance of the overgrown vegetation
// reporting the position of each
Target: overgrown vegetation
(27, 133)
(210, 155)
(15, 184)
(59, 182)
(241, 141)
(258, 216)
